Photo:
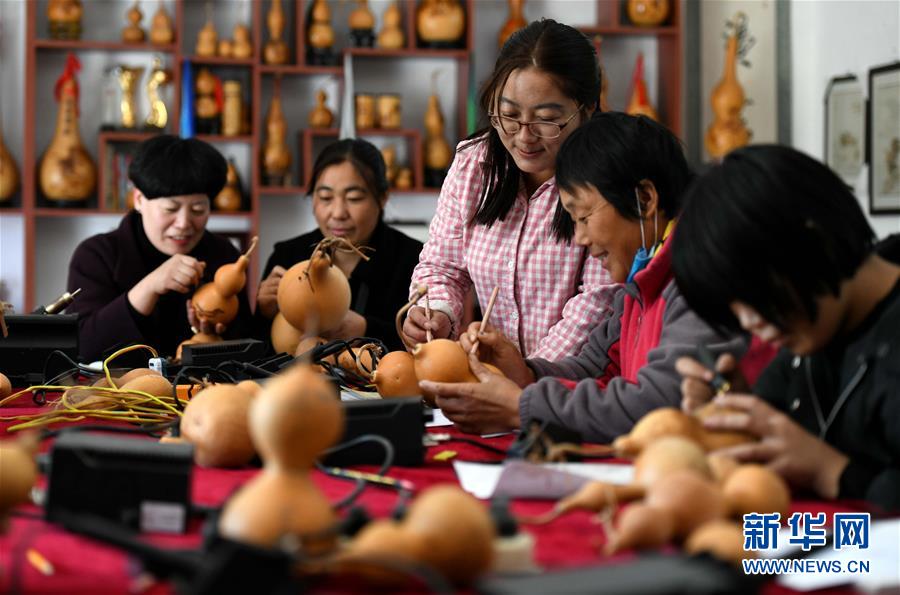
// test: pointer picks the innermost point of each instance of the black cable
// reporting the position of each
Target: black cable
(361, 483)
(183, 374)
(474, 442)
(153, 430)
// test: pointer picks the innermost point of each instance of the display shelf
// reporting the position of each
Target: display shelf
(107, 46)
(412, 138)
(42, 59)
(407, 53)
(71, 212)
(282, 190)
(220, 61)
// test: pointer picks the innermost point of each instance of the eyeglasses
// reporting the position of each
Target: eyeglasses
(539, 129)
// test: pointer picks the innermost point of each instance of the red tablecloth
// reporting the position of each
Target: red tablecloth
(85, 566)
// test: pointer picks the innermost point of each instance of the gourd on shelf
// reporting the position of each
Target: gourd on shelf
(440, 23)
(647, 13)
(515, 21)
(230, 198)
(275, 50)
(67, 171)
(728, 130)
(437, 150)
(362, 25)
(9, 173)
(321, 116)
(132, 33)
(162, 31)
(320, 35)
(64, 19)
(276, 158)
(391, 36)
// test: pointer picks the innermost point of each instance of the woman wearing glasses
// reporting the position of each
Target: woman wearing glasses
(496, 210)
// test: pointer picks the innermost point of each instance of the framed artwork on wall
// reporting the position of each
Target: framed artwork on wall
(884, 139)
(845, 127)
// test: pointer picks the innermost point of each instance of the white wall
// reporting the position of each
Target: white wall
(831, 38)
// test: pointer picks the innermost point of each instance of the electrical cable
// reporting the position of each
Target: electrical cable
(363, 479)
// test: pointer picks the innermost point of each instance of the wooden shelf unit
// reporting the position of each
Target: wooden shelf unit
(612, 22)
(38, 59)
(43, 55)
(411, 137)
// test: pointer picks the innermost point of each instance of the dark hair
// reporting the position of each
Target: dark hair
(365, 158)
(770, 227)
(613, 152)
(167, 165)
(569, 58)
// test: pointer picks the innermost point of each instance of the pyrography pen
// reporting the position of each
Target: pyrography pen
(718, 382)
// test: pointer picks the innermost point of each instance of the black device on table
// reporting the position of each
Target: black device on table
(30, 341)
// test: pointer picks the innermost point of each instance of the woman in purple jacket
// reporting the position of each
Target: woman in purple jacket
(136, 281)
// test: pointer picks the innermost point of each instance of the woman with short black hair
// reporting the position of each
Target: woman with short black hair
(773, 242)
(136, 281)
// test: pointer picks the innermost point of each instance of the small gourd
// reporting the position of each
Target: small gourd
(440, 23)
(391, 36)
(648, 13)
(276, 155)
(275, 50)
(217, 302)
(362, 23)
(438, 153)
(395, 375)
(321, 116)
(208, 38)
(19, 472)
(441, 360)
(215, 422)
(320, 33)
(229, 199)
(133, 33)
(242, 47)
(515, 21)
(285, 338)
(9, 173)
(162, 32)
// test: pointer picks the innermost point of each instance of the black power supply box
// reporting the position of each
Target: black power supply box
(139, 483)
(400, 421)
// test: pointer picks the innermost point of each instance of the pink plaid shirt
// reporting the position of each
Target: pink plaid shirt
(551, 294)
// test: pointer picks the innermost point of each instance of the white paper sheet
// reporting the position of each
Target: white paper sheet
(518, 479)
(440, 420)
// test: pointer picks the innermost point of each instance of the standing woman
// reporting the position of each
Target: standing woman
(349, 190)
(496, 208)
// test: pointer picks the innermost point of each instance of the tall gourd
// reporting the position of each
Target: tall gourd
(67, 171)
